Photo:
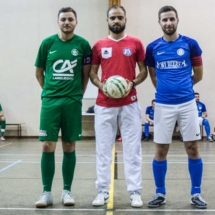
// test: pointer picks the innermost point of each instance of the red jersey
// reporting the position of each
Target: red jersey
(117, 57)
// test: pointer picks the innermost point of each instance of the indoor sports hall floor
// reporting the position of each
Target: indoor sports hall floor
(20, 180)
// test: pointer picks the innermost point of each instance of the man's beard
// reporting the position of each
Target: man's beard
(169, 32)
(118, 30)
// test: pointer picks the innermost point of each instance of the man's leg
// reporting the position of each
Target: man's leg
(205, 122)
(105, 128)
(49, 128)
(189, 126)
(3, 126)
(159, 166)
(195, 166)
(130, 126)
(146, 131)
(68, 169)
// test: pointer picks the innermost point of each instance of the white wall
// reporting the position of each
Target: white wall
(24, 23)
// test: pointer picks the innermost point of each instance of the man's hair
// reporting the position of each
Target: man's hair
(115, 6)
(65, 10)
(167, 9)
(153, 100)
(196, 93)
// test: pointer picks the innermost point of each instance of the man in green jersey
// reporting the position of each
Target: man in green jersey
(3, 123)
(62, 68)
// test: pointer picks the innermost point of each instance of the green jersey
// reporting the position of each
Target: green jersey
(0, 108)
(62, 62)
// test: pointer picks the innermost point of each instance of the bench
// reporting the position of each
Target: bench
(19, 128)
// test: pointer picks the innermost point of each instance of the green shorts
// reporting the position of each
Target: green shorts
(60, 113)
(0, 108)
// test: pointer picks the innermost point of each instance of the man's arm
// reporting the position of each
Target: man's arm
(143, 73)
(152, 74)
(148, 119)
(197, 74)
(204, 115)
(85, 77)
(94, 76)
(40, 76)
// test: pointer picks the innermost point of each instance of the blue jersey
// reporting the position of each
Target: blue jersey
(201, 108)
(150, 112)
(173, 67)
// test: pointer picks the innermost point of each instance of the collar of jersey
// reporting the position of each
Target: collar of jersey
(118, 39)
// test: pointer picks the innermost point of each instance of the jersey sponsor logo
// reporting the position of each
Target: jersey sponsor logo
(52, 52)
(106, 53)
(180, 52)
(171, 64)
(127, 52)
(159, 53)
(65, 67)
(74, 52)
(42, 133)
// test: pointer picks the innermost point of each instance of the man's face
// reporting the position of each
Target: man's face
(168, 22)
(67, 22)
(153, 105)
(197, 98)
(116, 20)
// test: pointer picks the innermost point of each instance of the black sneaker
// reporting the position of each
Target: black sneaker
(157, 200)
(198, 201)
(146, 139)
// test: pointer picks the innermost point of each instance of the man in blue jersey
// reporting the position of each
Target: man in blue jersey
(202, 114)
(171, 60)
(149, 119)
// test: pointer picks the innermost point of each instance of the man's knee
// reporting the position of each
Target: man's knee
(68, 146)
(192, 149)
(48, 146)
(161, 151)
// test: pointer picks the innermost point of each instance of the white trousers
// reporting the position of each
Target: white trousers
(128, 118)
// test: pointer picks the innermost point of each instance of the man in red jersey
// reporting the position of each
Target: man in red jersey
(118, 54)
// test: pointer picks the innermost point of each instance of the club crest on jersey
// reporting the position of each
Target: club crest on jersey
(127, 52)
(180, 52)
(74, 52)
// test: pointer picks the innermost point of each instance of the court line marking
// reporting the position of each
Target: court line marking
(94, 155)
(114, 210)
(7, 167)
(93, 162)
(111, 191)
(5, 145)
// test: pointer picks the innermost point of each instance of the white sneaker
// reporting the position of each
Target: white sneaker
(2, 138)
(209, 139)
(44, 200)
(135, 199)
(66, 198)
(101, 198)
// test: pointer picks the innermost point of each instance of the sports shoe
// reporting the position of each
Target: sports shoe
(66, 198)
(119, 139)
(198, 201)
(146, 139)
(2, 138)
(157, 200)
(135, 199)
(44, 200)
(101, 198)
(209, 139)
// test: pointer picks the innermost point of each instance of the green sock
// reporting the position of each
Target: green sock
(3, 126)
(68, 169)
(47, 170)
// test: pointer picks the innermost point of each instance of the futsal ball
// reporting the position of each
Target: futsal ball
(115, 86)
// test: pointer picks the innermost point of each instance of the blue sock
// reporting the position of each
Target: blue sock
(195, 168)
(207, 127)
(159, 171)
(146, 129)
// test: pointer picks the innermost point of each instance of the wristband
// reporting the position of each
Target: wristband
(133, 84)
